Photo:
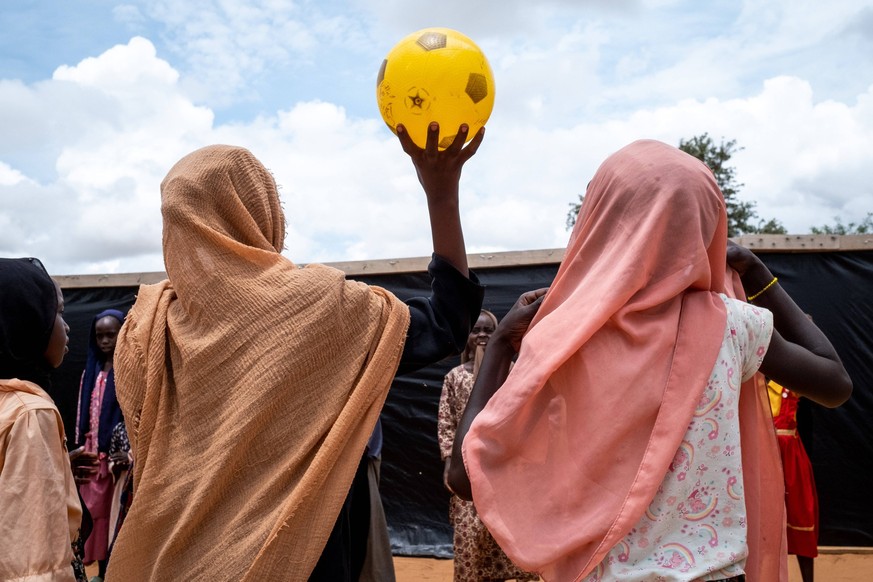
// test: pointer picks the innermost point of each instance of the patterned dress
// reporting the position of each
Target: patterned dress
(97, 493)
(477, 555)
(122, 495)
(695, 527)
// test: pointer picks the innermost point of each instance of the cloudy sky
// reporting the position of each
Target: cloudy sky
(98, 99)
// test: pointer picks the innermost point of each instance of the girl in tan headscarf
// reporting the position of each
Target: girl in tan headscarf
(251, 386)
(621, 446)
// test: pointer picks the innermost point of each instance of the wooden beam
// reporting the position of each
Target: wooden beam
(763, 243)
(113, 280)
(805, 243)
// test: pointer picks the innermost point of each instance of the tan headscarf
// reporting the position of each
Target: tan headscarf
(567, 455)
(250, 386)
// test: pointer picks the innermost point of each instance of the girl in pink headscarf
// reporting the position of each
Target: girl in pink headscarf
(632, 440)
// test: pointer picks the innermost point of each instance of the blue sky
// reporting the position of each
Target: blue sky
(99, 98)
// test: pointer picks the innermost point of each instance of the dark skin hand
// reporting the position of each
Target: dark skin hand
(439, 174)
(800, 356)
(496, 362)
(120, 460)
(84, 465)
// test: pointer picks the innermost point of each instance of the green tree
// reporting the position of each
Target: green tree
(741, 216)
(863, 227)
(574, 212)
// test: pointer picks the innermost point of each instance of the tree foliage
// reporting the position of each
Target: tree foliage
(574, 212)
(741, 215)
(863, 227)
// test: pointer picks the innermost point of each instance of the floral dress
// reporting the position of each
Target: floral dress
(477, 555)
(695, 527)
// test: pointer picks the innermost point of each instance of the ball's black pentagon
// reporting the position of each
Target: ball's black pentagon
(448, 140)
(477, 87)
(381, 75)
(432, 40)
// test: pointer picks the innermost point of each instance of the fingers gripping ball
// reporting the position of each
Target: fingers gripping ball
(435, 74)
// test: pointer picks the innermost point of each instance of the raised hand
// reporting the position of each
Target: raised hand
(439, 170)
(439, 173)
(515, 323)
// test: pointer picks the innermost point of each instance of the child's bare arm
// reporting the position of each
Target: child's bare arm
(439, 174)
(800, 356)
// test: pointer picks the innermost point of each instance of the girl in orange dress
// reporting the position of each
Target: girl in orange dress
(801, 500)
(40, 513)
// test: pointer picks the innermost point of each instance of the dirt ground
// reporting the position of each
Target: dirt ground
(832, 565)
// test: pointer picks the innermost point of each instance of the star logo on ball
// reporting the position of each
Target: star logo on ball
(418, 100)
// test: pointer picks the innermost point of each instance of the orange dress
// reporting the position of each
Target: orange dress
(39, 507)
(801, 500)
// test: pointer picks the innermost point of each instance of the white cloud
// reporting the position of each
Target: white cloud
(802, 161)
(223, 45)
(10, 176)
(83, 153)
(94, 197)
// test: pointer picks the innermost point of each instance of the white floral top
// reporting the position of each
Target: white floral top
(695, 527)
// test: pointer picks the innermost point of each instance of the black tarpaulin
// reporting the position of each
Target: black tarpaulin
(836, 288)
(80, 307)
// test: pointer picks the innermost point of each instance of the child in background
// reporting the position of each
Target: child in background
(121, 461)
(477, 557)
(801, 500)
(40, 512)
(613, 449)
(98, 415)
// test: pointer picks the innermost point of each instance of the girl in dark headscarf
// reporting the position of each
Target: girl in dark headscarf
(98, 416)
(40, 511)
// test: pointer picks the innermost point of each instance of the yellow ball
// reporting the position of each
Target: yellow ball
(435, 74)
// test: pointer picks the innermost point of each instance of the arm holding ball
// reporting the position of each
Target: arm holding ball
(439, 173)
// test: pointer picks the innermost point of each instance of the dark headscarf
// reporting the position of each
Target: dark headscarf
(28, 308)
(110, 411)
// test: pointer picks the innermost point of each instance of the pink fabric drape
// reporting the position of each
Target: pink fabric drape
(568, 453)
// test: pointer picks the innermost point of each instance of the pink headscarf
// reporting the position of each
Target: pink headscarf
(567, 455)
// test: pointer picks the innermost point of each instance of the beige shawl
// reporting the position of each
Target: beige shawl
(251, 386)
